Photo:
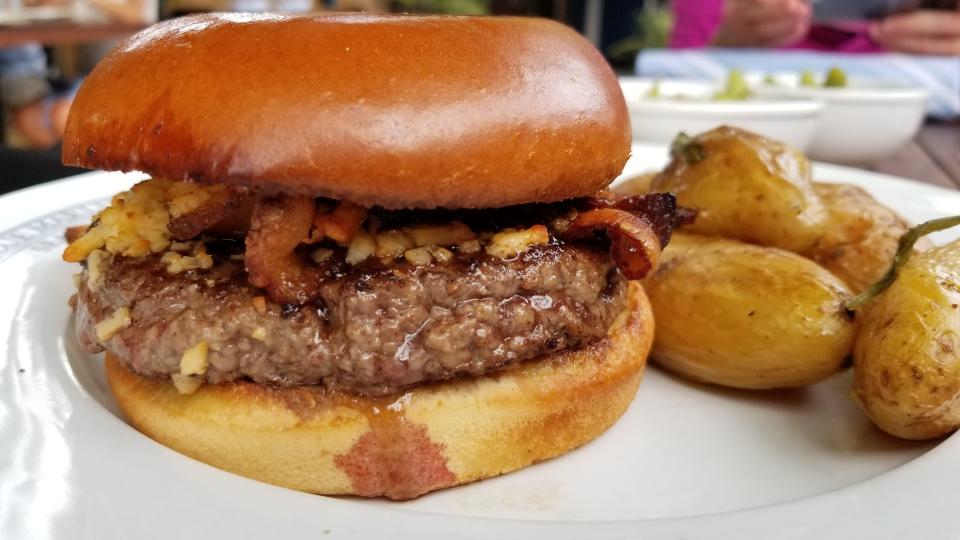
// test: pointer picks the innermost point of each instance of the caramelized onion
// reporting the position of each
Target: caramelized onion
(278, 225)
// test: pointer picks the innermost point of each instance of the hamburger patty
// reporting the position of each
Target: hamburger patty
(375, 329)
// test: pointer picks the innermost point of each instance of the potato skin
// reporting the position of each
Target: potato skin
(907, 356)
(861, 235)
(636, 185)
(748, 188)
(747, 316)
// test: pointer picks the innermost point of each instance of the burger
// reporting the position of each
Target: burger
(373, 255)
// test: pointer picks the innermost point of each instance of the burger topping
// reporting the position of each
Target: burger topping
(360, 248)
(294, 243)
(633, 244)
(418, 257)
(339, 225)
(176, 263)
(194, 359)
(134, 225)
(512, 243)
(277, 227)
(95, 261)
(108, 327)
(186, 384)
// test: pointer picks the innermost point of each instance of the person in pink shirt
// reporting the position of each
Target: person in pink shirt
(787, 24)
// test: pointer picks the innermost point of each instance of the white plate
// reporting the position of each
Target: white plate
(686, 461)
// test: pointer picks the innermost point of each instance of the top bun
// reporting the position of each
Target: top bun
(396, 111)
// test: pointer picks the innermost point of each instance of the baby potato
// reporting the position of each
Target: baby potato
(747, 316)
(745, 187)
(636, 185)
(907, 356)
(861, 235)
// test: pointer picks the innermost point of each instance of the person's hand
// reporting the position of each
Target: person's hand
(920, 32)
(762, 23)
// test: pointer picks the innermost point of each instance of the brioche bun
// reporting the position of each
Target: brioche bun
(432, 437)
(396, 111)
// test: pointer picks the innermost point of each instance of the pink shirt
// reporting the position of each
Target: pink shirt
(695, 22)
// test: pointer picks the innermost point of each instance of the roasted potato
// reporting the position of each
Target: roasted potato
(636, 185)
(861, 235)
(907, 356)
(747, 316)
(746, 187)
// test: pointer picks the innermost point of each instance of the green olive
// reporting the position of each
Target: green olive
(836, 78)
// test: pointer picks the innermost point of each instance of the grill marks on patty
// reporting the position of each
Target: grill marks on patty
(375, 329)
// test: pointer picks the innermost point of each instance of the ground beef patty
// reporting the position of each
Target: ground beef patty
(375, 330)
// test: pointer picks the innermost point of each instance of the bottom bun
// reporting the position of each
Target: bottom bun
(430, 437)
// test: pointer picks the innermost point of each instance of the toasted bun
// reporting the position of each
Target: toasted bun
(400, 447)
(400, 111)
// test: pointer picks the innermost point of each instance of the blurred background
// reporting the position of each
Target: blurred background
(874, 83)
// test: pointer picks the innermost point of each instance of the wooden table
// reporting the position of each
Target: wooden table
(933, 157)
(62, 32)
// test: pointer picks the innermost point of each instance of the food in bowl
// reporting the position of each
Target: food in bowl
(692, 106)
(835, 78)
(862, 120)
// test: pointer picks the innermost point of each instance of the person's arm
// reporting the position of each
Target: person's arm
(694, 22)
(920, 32)
(762, 23)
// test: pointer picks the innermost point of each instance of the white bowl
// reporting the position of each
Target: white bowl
(687, 105)
(861, 123)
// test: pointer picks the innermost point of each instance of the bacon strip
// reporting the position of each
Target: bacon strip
(339, 225)
(659, 210)
(71, 234)
(278, 225)
(227, 214)
(638, 227)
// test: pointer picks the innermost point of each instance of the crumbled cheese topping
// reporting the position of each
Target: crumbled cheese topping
(134, 225)
(95, 262)
(419, 256)
(107, 328)
(176, 263)
(511, 243)
(194, 359)
(361, 247)
(186, 384)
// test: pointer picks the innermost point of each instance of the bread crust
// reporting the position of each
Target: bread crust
(401, 446)
(399, 111)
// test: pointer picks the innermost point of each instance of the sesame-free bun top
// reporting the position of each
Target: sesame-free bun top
(397, 111)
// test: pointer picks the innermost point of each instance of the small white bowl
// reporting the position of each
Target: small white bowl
(688, 106)
(862, 122)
